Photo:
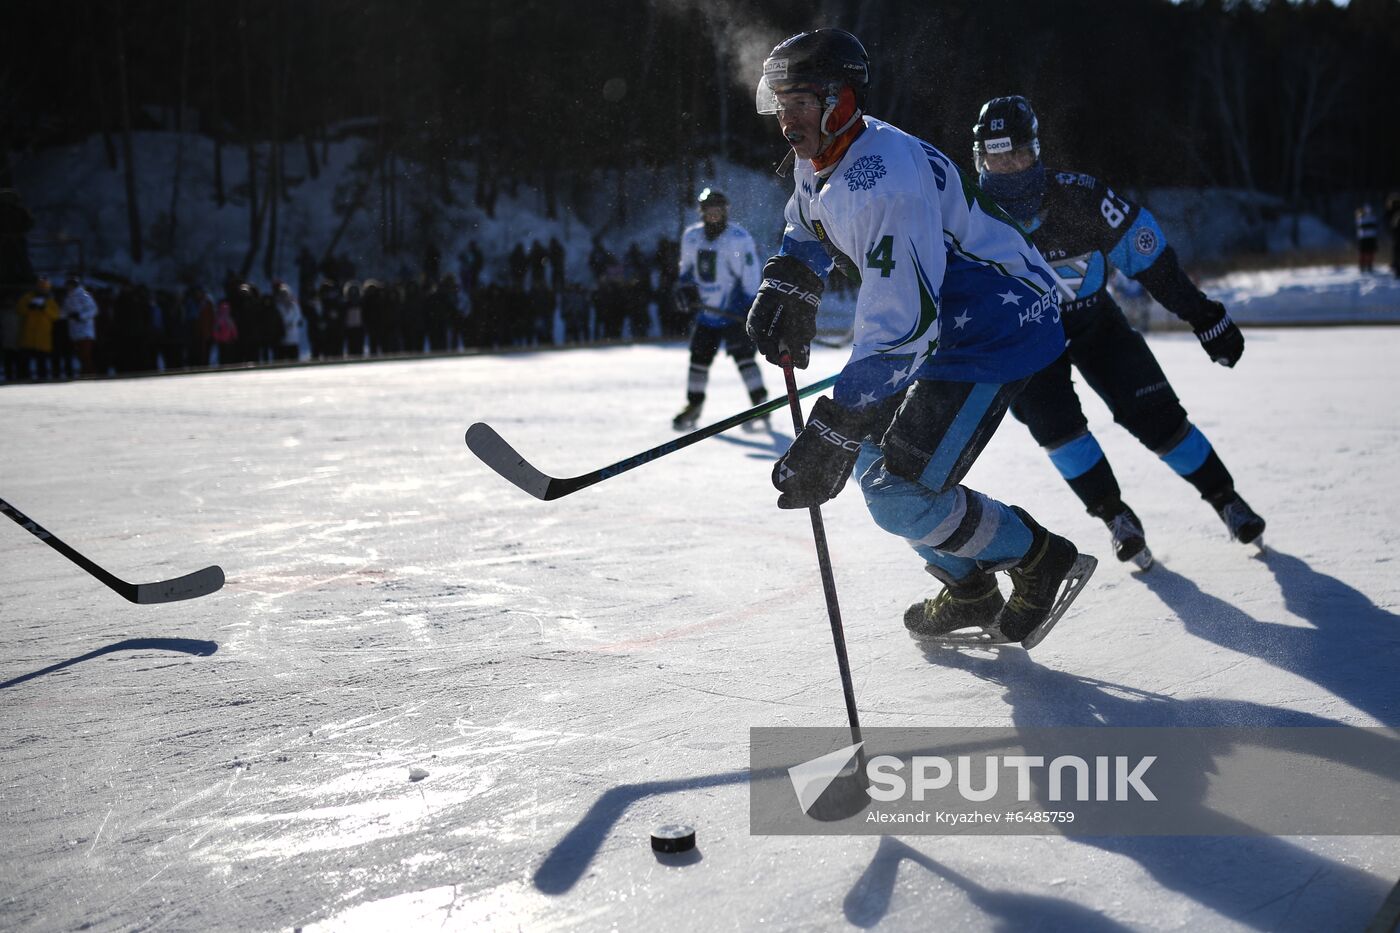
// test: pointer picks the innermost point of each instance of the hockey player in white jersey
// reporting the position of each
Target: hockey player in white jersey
(956, 311)
(717, 282)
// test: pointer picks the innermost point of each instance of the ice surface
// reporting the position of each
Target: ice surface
(573, 673)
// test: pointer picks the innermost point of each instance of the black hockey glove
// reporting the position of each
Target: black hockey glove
(687, 297)
(1222, 340)
(819, 462)
(784, 313)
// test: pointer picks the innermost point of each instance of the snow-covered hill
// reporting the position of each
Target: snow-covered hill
(74, 193)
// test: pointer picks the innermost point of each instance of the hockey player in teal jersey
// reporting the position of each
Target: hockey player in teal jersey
(1083, 228)
(955, 311)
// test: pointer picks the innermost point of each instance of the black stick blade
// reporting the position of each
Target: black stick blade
(493, 451)
(190, 586)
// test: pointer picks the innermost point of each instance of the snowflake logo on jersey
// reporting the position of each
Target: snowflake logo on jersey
(1145, 242)
(865, 172)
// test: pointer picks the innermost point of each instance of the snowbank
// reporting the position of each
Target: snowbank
(1307, 295)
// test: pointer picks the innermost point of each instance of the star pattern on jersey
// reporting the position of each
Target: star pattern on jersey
(898, 376)
(866, 398)
(1009, 297)
(962, 319)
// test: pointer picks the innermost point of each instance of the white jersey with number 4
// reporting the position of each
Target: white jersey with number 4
(725, 269)
(950, 287)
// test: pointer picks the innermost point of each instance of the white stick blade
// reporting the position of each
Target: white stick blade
(493, 451)
(190, 586)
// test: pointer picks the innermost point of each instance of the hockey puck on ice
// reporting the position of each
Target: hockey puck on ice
(673, 837)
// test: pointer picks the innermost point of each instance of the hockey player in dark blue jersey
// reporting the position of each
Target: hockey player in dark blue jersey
(1083, 228)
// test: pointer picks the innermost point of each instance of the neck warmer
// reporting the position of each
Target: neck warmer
(825, 160)
(1018, 193)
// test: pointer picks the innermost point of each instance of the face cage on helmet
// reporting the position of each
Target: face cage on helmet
(1002, 146)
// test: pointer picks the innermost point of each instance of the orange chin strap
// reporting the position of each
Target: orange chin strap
(845, 118)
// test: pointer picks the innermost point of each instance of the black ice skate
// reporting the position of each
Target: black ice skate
(1244, 523)
(1129, 544)
(688, 418)
(970, 603)
(1043, 584)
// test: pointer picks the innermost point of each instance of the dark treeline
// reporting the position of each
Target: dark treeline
(1294, 99)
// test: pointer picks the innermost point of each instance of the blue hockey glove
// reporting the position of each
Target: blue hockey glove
(1222, 340)
(819, 462)
(784, 313)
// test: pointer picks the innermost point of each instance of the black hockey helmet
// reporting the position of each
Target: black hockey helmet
(824, 58)
(709, 201)
(712, 198)
(1005, 124)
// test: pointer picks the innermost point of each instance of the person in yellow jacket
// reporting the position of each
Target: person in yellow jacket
(37, 313)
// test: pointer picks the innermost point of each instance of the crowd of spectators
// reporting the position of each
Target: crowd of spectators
(77, 327)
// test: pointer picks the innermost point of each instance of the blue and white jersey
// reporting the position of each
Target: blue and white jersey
(1366, 226)
(950, 287)
(725, 269)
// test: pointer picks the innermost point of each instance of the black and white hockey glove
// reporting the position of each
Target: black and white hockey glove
(1222, 340)
(687, 298)
(784, 313)
(819, 462)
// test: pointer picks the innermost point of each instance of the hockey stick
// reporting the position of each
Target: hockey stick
(493, 451)
(191, 585)
(847, 794)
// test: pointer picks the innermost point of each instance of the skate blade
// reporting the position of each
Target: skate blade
(1256, 542)
(1078, 575)
(1143, 559)
(962, 638)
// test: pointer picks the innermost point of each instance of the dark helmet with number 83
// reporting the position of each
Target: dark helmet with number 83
(1005, 125)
